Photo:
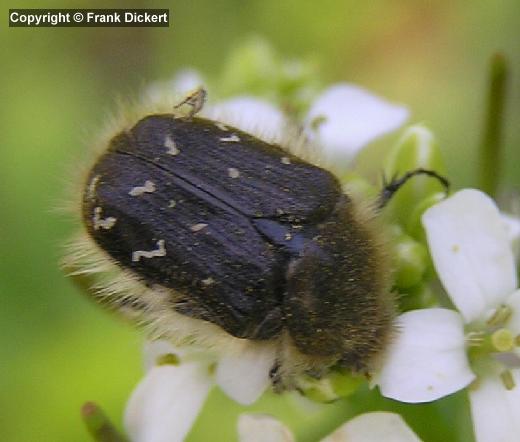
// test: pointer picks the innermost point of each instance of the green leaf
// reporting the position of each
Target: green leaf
(252, 68)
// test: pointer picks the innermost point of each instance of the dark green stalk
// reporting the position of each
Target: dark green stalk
(98, 425)
(490, 148)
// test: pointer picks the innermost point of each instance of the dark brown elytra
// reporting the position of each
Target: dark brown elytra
(247, 236)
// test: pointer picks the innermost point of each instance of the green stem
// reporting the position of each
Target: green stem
(98, 425)
(490, 152)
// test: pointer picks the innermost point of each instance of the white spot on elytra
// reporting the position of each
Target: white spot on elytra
(149, 187)
(285, 160)
(172, 204)
(221, 126)
(288, 236)
(208, 281)
(231, 139)
(198, 227)
(91, 192)
(171, 146)
(102, 223)
(160, 251)
(233, 173)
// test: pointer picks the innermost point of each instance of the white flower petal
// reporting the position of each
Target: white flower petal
(250, 114)
(154, 350)
(374, 427)
(471, 251)
(244, 375)
(495, 410)
(166, 402)
(427, 360)
(352, 118)
(262, 428)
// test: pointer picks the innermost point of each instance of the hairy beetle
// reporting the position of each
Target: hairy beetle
(212, 234)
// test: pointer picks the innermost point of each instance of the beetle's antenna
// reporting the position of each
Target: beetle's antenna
(195, 100)
(392, 186)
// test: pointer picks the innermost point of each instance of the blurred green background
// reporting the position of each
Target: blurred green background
(59, 84)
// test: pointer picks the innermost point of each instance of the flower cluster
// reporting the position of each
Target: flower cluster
(440, 351)
(467, 336)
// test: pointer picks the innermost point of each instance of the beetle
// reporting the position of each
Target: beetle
(214, 235)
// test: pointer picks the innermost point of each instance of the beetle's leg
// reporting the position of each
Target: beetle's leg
(392, 186)
(275, 377)
(195, 100)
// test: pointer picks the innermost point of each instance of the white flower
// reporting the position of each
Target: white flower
(347, 117)
(368, 427)
(440, 351)
(166, 402)
(262, 428)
